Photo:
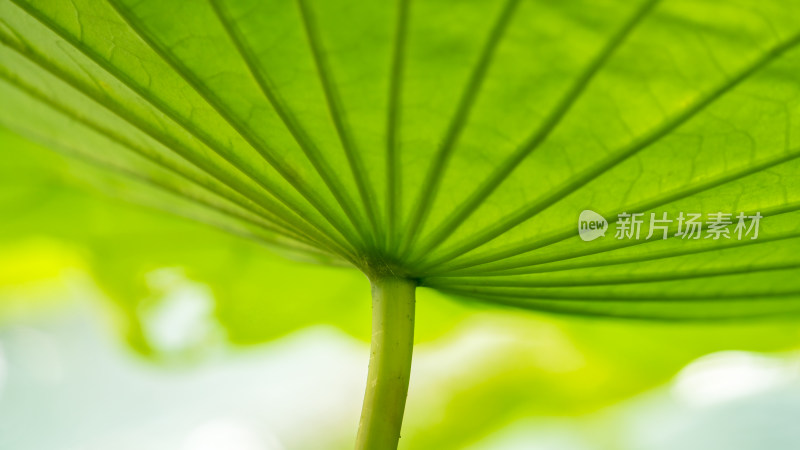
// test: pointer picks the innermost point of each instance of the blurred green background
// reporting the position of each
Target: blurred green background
(122, 326)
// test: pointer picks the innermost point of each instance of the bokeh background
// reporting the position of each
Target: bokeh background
(125, 327)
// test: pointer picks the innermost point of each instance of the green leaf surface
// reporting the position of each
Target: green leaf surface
(56, 228)
(451, 142)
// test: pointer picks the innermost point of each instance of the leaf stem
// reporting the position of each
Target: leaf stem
(389, 363)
